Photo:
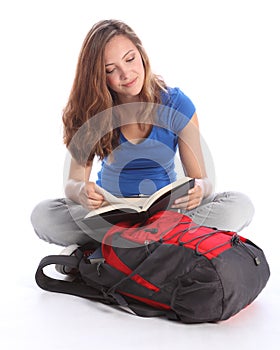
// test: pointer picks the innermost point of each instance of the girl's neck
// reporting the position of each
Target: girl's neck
(129, 99)
(136, 133)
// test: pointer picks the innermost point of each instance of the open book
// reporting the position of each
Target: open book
(136, 209)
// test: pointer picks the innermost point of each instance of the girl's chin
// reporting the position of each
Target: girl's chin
(131, 97)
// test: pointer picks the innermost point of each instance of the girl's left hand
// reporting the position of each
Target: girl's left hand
(191, 201)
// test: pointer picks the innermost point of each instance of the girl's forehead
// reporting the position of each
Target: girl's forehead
(117, 45)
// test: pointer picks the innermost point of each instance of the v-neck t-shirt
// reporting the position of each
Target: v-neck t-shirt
(145, 167)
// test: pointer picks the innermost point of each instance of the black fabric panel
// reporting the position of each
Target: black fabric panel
(241, 277)
(187, 282)
(199, 294)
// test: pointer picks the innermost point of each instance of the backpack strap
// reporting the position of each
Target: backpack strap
(148, 311)
(75, 287)
(140, 309)
(78, 288)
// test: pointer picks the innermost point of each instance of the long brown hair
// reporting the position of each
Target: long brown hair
(90, 95)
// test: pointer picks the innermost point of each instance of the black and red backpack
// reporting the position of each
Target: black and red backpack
(167, 266)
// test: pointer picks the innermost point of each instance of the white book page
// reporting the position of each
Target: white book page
(110, 199)
(140, 202)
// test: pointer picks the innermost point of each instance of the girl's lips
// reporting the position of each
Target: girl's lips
(130, 83)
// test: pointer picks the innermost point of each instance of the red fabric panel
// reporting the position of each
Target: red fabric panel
(140, 280)
(174, 228)
(112, 259)
(147, 301)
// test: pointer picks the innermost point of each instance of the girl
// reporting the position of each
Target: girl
(112, 114)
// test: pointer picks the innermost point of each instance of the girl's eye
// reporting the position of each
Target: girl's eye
(110, 71)
(130, 59)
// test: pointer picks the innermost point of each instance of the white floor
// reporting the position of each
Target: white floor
(34, 319)
(225, 56)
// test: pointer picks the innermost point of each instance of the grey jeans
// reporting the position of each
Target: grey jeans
(59, 221)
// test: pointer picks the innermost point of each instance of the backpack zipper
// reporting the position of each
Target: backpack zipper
(146, 244)
(235, 240)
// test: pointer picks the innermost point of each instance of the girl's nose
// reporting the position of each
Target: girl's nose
(123, 73)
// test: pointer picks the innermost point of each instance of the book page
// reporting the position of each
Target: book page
(106, 208)
(128, 201)
(136, 203)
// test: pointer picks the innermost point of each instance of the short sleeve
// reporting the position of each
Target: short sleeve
(178, 110)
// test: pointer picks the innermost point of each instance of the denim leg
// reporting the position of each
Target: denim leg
(58, 221)
(227, 210)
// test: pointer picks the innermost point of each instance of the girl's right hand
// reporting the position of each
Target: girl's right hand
(88, 197)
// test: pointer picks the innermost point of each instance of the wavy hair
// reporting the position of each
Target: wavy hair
(90, 95)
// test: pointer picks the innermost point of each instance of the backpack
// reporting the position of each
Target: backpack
(167, 266)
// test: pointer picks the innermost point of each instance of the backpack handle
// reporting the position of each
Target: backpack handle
(62, 286)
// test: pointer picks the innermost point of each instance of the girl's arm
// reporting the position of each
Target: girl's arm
(79, 189)
(193, 163)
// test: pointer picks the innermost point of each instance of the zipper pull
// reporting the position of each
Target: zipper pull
(151, 230)
(236, 240)
(257, 260)
(146, 243)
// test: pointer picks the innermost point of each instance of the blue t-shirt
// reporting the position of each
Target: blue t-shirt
(145, 167)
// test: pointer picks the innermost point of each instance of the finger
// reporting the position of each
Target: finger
(181, 200)
(195, 189)
(93, 203)
(193, 203)
(96, 197)
(182, 205)
(91, 193)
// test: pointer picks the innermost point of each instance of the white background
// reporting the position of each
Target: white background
(225, 56)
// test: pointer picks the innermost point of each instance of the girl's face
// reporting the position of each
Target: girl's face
(124, 68)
